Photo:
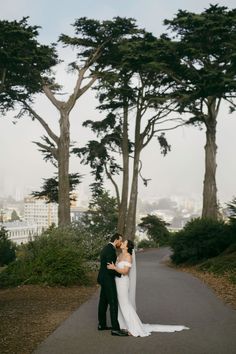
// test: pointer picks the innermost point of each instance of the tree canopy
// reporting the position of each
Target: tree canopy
(24, 62)
(101, 217)
(200, 57)
(156, 229)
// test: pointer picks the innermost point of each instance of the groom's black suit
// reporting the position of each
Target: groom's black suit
(108, 295)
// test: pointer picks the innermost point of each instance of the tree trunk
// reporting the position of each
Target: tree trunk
(63, 171)
(210, 208)
(131, 215)
(125, 179)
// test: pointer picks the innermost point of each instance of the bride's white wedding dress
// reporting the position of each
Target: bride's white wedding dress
(127, 315)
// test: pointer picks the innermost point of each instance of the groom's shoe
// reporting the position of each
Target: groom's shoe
(103, 328)
(119, 333)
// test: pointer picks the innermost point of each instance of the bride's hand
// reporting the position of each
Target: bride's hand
(111, 266)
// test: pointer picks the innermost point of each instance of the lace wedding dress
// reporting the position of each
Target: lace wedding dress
(127, 315)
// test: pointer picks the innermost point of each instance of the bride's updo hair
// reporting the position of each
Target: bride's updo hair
(130, 246)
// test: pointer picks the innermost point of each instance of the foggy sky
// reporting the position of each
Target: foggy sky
(180, 173)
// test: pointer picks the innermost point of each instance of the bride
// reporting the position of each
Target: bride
(126, 285)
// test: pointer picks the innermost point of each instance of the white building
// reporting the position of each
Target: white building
(76, 213)
(38, 211)
(20, 231)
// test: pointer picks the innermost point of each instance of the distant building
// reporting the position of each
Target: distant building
(6, 213)
(76, 213)
(38, 211)
(21, 231)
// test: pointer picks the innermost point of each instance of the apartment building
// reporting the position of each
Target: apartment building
(39, 211)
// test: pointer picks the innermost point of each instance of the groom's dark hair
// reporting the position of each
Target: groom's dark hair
(116, 236)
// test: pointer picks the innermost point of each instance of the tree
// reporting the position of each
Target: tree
(7, 248)
(92, 41)
(23, 62)
(201, 59)
(134, 94)
(156, 229)
(50, 188)
(231, 206)
(14, 216)
(101, 217)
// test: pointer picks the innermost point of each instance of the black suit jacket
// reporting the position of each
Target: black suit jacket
(108, 255)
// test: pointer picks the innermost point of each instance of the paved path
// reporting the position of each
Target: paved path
(164, 296)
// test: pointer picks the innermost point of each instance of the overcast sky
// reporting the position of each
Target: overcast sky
(178, 174)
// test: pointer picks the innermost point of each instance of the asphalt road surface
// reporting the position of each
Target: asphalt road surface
(164, 296)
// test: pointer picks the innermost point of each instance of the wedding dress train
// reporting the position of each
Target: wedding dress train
(127, 315)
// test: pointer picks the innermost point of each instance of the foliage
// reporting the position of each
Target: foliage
(55, 258)
(92, 43)
(132, 94)
(130, 84)
(51, 185)
(97, 154)
(225, 263)
(23, 60)
(14, 216)
(200, 239)
(102, 215)
(231, 206)
(90, 243)
(146, 244)
(156, 229)
(96, 40)
(201, 57)
(7, 248)
(232, 231)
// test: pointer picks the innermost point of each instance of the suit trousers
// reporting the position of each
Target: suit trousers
(108, 296)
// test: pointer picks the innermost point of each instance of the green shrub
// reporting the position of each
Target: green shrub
(146, 244)
(7, 248)
(230, 249)
(200, 239)
(232, 232)
(222, 264)
(55, 258)
(90, 243)
(17, 273)
(156, 229)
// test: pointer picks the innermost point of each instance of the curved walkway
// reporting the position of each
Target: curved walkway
(165, 296)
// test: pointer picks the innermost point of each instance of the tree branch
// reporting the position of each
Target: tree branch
(145, 180)
(172, 128)
(52, 135)
(231, 102)
(58, 104)
(218, 105)
(3, 78)
(52, 150)
(86, 87)
(78, 91)
(114, 184)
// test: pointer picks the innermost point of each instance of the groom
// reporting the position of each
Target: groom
(108, 294)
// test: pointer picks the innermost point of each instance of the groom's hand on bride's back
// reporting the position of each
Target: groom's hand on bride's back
(111, 265)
